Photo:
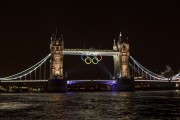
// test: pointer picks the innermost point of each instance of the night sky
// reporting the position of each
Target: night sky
(152, 28)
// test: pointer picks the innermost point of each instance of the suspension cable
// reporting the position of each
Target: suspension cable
(27, 71)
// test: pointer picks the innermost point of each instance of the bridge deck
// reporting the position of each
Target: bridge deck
(88, 81)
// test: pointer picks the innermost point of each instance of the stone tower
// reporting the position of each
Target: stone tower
(56, 60)
(123, 47)
(124, 81)
(57, 83)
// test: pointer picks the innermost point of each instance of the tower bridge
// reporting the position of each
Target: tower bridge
(126, 68)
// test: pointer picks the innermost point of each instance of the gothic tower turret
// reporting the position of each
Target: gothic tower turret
(115, 46)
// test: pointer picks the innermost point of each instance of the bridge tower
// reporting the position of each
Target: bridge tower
(56, 60)
(124, 81)
(124, 58)
(57, 83)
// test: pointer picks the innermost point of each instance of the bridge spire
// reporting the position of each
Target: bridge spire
(115, 46)
(120, 35)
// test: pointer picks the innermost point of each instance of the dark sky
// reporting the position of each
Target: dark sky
(153, 29)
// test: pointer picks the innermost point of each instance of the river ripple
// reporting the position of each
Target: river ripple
(138, 105)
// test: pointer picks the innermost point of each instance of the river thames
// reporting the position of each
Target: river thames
(138, 105)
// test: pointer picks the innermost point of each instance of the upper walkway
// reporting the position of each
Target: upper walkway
(89, 52)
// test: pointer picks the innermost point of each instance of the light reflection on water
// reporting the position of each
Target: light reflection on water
(91, 105)
(13, 105)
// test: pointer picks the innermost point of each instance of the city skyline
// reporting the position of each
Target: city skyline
(152, 29)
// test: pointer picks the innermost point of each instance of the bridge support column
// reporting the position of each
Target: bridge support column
(57, 85)
(125, 84)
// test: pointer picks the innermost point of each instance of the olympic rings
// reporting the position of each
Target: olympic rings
(83, 57)
(95, 60)
(89, 58)
(99, 58)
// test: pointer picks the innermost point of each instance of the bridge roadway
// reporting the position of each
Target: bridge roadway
(76, 81)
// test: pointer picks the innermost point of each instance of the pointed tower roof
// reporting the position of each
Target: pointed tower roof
(114, 42)
(120, 35)
(114, 45)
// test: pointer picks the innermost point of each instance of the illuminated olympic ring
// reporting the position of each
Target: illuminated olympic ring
(98, 57)
(88, 60)
(95, 60)
(83, 57)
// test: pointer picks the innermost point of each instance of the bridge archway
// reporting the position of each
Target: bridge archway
(78, 69)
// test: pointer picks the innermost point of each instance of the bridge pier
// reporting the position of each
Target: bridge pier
(125, 84)
(57, 85)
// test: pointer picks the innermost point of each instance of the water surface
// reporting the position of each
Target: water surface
(138, 105)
